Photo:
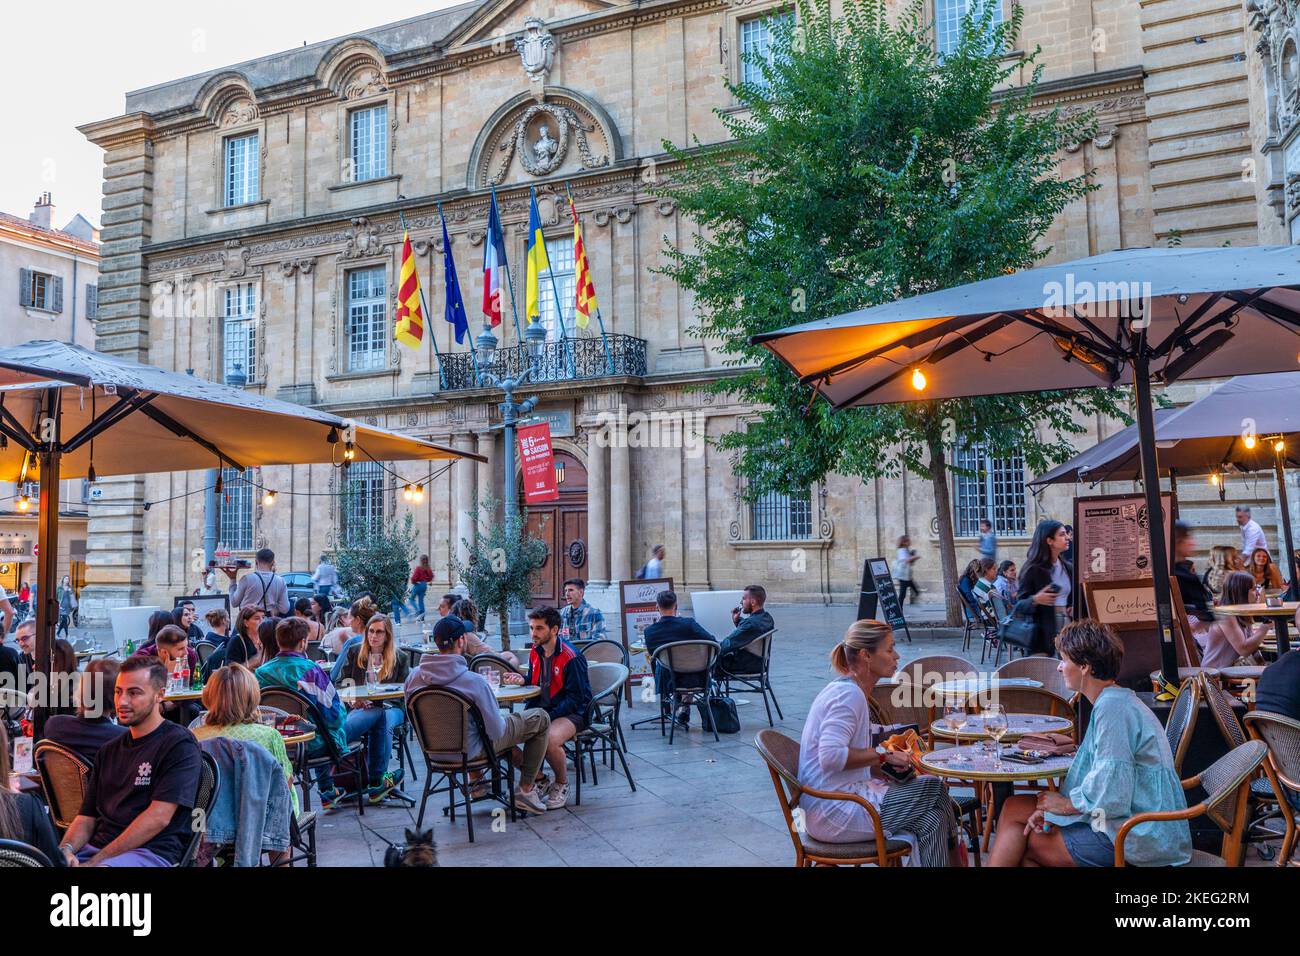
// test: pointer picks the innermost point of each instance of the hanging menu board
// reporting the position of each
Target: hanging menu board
(1112, 540)
(638, 610)
(879, 599)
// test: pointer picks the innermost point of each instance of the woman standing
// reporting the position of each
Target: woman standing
(836, 754)
(1046, 581)
(67, 605)
(421, 577)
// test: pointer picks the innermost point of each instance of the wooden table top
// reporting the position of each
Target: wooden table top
(1287, 610)
(190, 694)
(513, 693)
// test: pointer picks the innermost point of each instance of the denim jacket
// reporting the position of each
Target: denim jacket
(251, 807)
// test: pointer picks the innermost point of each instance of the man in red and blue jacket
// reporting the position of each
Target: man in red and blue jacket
(561, 673)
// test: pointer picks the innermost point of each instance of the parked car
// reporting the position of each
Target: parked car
(299, 585)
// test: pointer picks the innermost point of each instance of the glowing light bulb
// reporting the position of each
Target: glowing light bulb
(1214, 479)
(408, 493)
(918, 380)
(268, 498)
(419, 493)
(1249, 441)
(348, 451)
(1279, 446)
(24, 502)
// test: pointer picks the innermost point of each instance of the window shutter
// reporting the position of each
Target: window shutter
(25, 287)
(92, 301)
(58, 293)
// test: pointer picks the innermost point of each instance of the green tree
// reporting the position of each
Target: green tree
(377, 558)
(503, 563)
(861, 169)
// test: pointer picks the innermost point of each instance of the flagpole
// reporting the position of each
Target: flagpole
(424, 304)
(472, 356)
(604, 339)
(505, 263)
(559, 309)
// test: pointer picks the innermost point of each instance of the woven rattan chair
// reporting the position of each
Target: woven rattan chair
(64, 779)
(204, 649)
(604, 652)
(445, 722)
(291, 702)
(1226, 783)
(1039, 668)
(479, 662)
(15, 853)
(209, 781)
(1182, 720)
(782, 756)
(607, 680)
(755, 680)
(1282, 736)
(691, 662)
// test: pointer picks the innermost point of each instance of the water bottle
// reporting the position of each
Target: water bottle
(185, 673)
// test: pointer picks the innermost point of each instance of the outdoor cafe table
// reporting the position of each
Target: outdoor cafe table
(1018, 725)
(972, 763)
(1280, 616)
(187, 694)
(509, 694)
(965, 685)
(354, 695)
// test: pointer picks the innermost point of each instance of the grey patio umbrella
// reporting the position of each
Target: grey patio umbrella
(1128, 317)
(80, 413)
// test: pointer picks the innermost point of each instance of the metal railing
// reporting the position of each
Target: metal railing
(560, 361)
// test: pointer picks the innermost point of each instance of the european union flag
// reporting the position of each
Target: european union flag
(455, 311)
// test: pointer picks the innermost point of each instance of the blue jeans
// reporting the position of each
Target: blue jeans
(417, 596)
(376, 724)
(399, 605)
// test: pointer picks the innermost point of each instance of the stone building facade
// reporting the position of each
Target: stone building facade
(252, 226)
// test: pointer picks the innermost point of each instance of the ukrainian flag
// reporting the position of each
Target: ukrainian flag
(537, 261)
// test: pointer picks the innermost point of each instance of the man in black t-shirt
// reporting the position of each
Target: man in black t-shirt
(144, 785)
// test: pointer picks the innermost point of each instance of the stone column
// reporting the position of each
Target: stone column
(598, 507)
(115, 531)
(487, 483)
(464, 482)
(620, 509)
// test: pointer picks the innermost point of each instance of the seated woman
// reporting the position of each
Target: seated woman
(1264, 571)
(375, 720)
(22, 816)
(836, 754)
(1228, 639)
(302, 609)
(186, 617)
(338, 630)
(231, 699)
(92, 726)
(218, 626)
(243, 646)
(1221, 565)
(1123, 768)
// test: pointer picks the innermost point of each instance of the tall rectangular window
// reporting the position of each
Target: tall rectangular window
(369, 139)
(757, 38)
(235, 507)
(242, 167)
(777, 516)
(367, 323)
(994, 488)
(363, 500)
(947, 21)
(239, 332)
(560, 253)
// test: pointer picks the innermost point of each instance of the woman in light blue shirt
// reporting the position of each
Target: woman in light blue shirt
(1124, 767)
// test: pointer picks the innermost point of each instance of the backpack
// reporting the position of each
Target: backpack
(723, 712)
(640, 572)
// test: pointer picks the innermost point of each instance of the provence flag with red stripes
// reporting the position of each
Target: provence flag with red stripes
(409, 329)
(586, 291)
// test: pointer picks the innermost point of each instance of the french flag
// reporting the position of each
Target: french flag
(494, 263)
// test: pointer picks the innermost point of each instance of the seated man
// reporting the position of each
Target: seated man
(292, 669)
(561, 673)
(449, 669)
(137, 810)
(751, 622)
(169, 646)
(1278, 692)
(92, 726)
(672, 627)
(579, 620)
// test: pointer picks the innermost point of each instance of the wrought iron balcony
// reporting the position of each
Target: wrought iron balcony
(570, 359)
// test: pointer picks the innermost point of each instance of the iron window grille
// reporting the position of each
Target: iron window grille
(235, 508)
(363, 503)
(993, 487)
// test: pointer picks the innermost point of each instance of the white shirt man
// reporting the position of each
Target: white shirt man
(1252, 535)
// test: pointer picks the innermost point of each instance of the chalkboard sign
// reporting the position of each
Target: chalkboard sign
(879, 600)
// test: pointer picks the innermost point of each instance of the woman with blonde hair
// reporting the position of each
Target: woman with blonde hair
(231, 698)
(378, 643)
(1221, 565)
(836, 754)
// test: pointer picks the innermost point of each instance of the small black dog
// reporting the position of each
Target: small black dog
(417, 851)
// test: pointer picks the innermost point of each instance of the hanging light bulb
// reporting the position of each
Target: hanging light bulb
(217, 486)
(268, 498)
(348, 451)
(1214, 478)
(918, 380)
(90, 473)
(419, 493)
(408, 493)
(24, 502)
(1279, 446)
(1248, 441)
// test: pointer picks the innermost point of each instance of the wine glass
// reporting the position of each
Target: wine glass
(372, 672)
(995, 724)
(954, 717)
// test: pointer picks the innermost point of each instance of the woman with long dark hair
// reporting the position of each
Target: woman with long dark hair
(1229, 639)
(1046, 580)
(22, 817)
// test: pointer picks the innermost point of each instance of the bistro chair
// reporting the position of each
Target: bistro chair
(605, 651)
(204, 650)
(1182, 720)
(1039, 668)
(444, 721)
(607, 680)
(317, 653)
(65, 777)
(354, 756)
(15, 853)
(997, 608)
(1023, 700)
(972, 618)
(690, 662)
(781, 753)
(1226, 783)
(755, 679)
(481, 662)
(1282, 735)
(209, 781)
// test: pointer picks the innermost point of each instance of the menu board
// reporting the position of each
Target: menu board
(638, 610)
(1112, 540)
(1124, 605)
(879, 599)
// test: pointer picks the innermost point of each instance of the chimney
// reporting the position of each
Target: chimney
(43, 215)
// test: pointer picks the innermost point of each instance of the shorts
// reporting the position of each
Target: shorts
(576, 719)
(1088, 847)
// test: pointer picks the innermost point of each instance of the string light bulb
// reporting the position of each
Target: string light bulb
(268, 498)
(408, 493)
(918, 380)
(419, 493)
(348, 451)
(1214, 478)
(1279, 446)
(1249, 441)
(24, 502)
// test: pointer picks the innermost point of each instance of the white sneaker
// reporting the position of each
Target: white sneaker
(530, 802)
(557, 795)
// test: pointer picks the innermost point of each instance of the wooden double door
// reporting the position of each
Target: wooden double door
(562, 525)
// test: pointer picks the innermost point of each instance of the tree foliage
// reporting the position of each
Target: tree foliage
(861, 169)
(377, 560)
(503, 563)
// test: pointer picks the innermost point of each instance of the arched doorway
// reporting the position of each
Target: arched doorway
(562, 525)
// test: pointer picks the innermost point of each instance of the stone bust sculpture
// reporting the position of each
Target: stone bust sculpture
(545, 147)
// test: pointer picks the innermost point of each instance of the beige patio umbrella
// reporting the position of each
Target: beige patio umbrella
(76, 413)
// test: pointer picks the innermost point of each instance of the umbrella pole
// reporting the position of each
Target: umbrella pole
(1283, 643)
(47, 566)
(1155, 515)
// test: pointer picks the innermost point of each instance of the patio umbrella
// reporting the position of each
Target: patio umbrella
(1128, 317)
(96, 414)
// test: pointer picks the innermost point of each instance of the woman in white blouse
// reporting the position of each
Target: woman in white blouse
(836, 754)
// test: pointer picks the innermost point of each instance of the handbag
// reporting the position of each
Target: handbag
(1019, 627)
(723, 711)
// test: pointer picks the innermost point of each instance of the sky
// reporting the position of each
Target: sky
(78, 59)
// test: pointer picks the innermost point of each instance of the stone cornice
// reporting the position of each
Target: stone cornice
(120, 131)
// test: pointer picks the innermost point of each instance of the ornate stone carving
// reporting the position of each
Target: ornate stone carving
(536, 47)
(363, 240)
(623, 214)
(239, 111)
(365, 82)
(666, 207)
(334, 328)
(304, 265)
(540, 153)
(476, 237)
(234, 262)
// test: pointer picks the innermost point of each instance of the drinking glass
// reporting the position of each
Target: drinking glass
(372, 672)
(954, 717)
(995, 723)
(493, 677)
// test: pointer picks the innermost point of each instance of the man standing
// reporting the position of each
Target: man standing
(144, 784)
(263, 588)
(561, 673)
(326, 577)
(751, 622)
(672, 627)
(654, 568)
(988, 540)
(1252, 535)
(581, 621)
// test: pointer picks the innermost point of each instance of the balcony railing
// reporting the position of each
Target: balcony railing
(561, 361)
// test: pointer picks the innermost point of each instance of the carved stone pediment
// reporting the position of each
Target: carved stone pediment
(234, 260)
(536, 47)
(238, 112)
(527, 139)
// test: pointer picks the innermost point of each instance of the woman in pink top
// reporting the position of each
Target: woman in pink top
(836, 754)
(1228, 638)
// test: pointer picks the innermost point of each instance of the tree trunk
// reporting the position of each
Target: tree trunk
(947, 546)
(505, 629)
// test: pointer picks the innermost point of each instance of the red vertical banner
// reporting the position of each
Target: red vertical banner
(537, 461)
